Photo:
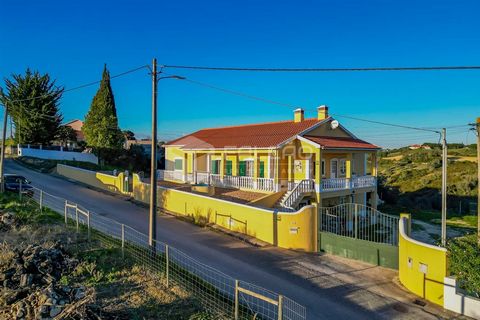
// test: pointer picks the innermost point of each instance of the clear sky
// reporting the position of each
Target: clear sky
(72, 40)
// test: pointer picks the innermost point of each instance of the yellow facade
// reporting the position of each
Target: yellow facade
(422, 267)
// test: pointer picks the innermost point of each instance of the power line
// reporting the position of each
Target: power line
(360, 69)
(83, 85)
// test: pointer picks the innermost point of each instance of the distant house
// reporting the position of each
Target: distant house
(76, 125)
(419, 146)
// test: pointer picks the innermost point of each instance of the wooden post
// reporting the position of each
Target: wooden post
(167, 271)
(76, 216)
(236, 300)
(123, 240)
(152, 230)
(41, 200)
(280, 307)
(66, 208)
(88, 224)
(444, 187)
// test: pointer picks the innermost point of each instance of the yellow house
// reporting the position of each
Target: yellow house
(308, 160)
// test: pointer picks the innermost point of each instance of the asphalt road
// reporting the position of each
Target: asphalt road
(292, 274)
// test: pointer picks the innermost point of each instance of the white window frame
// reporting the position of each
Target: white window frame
(323, 168)
(331, 166)
(247, 161)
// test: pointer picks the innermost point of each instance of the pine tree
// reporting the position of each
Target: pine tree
(32, 102)
(101, 123)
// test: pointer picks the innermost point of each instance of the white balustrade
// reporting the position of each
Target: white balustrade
(348, 183)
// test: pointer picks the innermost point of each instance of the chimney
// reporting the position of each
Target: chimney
(298, 115)
(322, 112)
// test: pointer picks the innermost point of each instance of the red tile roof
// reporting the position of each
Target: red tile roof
(341, 142)
(262, 135)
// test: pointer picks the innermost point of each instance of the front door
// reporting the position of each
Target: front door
(333, 168)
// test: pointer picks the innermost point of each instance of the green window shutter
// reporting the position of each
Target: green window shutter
(261, 173)
(228, 168)
(242, 169)
(214, 167)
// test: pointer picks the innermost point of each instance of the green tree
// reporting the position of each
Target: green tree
(32, 101)
(101, 123)
(66, 134)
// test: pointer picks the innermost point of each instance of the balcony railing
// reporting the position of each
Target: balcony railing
(238, 182)
(335, 184)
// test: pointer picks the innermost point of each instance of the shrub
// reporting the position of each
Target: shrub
(464, 257)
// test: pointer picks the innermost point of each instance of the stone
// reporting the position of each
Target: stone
(55, 310)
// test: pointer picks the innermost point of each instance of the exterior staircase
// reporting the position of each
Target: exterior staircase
(291, 199)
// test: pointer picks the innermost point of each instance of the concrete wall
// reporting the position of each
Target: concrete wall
(291, 230)
(94, 179)
(375, 253)
(422, 267)
(456, 301)
(57, 155)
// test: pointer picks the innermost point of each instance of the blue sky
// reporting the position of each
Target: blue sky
(72, 41)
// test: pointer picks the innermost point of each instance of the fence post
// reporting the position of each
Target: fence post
(280, 307)
(167, 274)
(356, 221)
(123, 240)
(66, 208)
(236, 300)
(88, 224)
(76, 216)
(20, 189)
(41, 200)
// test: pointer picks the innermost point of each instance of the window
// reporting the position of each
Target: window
(178, 164)
(261, 172)
(324, 169)
(249, 168)
(343, 167)
(215, 167)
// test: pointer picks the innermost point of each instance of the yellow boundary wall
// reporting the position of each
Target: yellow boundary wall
(95, 179)
(422, 267)
(291, 230)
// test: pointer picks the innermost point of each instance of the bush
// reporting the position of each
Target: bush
(464, 257)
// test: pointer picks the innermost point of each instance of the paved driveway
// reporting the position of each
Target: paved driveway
(330, 287)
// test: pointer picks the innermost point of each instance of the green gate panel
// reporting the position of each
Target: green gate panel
(371, 252)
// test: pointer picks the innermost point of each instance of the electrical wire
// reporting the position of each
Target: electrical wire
(359, 69)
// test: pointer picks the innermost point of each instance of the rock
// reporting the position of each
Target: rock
(55, 310)
(26, 280)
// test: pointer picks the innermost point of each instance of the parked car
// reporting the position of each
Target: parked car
(13, 181)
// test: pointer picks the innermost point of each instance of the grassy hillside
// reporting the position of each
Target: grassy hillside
(411, 179)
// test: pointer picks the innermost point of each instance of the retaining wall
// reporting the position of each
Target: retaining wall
(57, 155)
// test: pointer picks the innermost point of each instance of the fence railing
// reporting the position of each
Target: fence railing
(239, 182)
(359, 222)
(219, 293)
(333, 184)
(302, 187)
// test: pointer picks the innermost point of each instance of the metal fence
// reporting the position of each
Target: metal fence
(220, 294)
(359, 222)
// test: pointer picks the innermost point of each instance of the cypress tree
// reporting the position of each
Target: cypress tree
(101, 123)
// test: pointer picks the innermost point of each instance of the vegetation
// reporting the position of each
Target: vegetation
(122, 289)
(411, 180)
(464, 254)
(65, 135)
(32, 101)
(101, 123)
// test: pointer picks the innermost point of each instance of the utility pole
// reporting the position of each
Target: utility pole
(478, 177)
(2, 152)
(152, 231)
(444, 186)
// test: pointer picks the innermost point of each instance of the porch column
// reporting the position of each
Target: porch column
(209, 164)
(348, 164)
(318, 173)
(373, 164)
(222, 166)
(235, 165)
(185, 166)
(255, 168)
(275, 171)
(291, 176)
(194, 167)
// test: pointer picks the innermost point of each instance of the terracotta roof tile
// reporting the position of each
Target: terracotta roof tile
(341, 142)
(262, 135)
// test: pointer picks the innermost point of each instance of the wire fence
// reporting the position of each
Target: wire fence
(359, 222)
(220, 294)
